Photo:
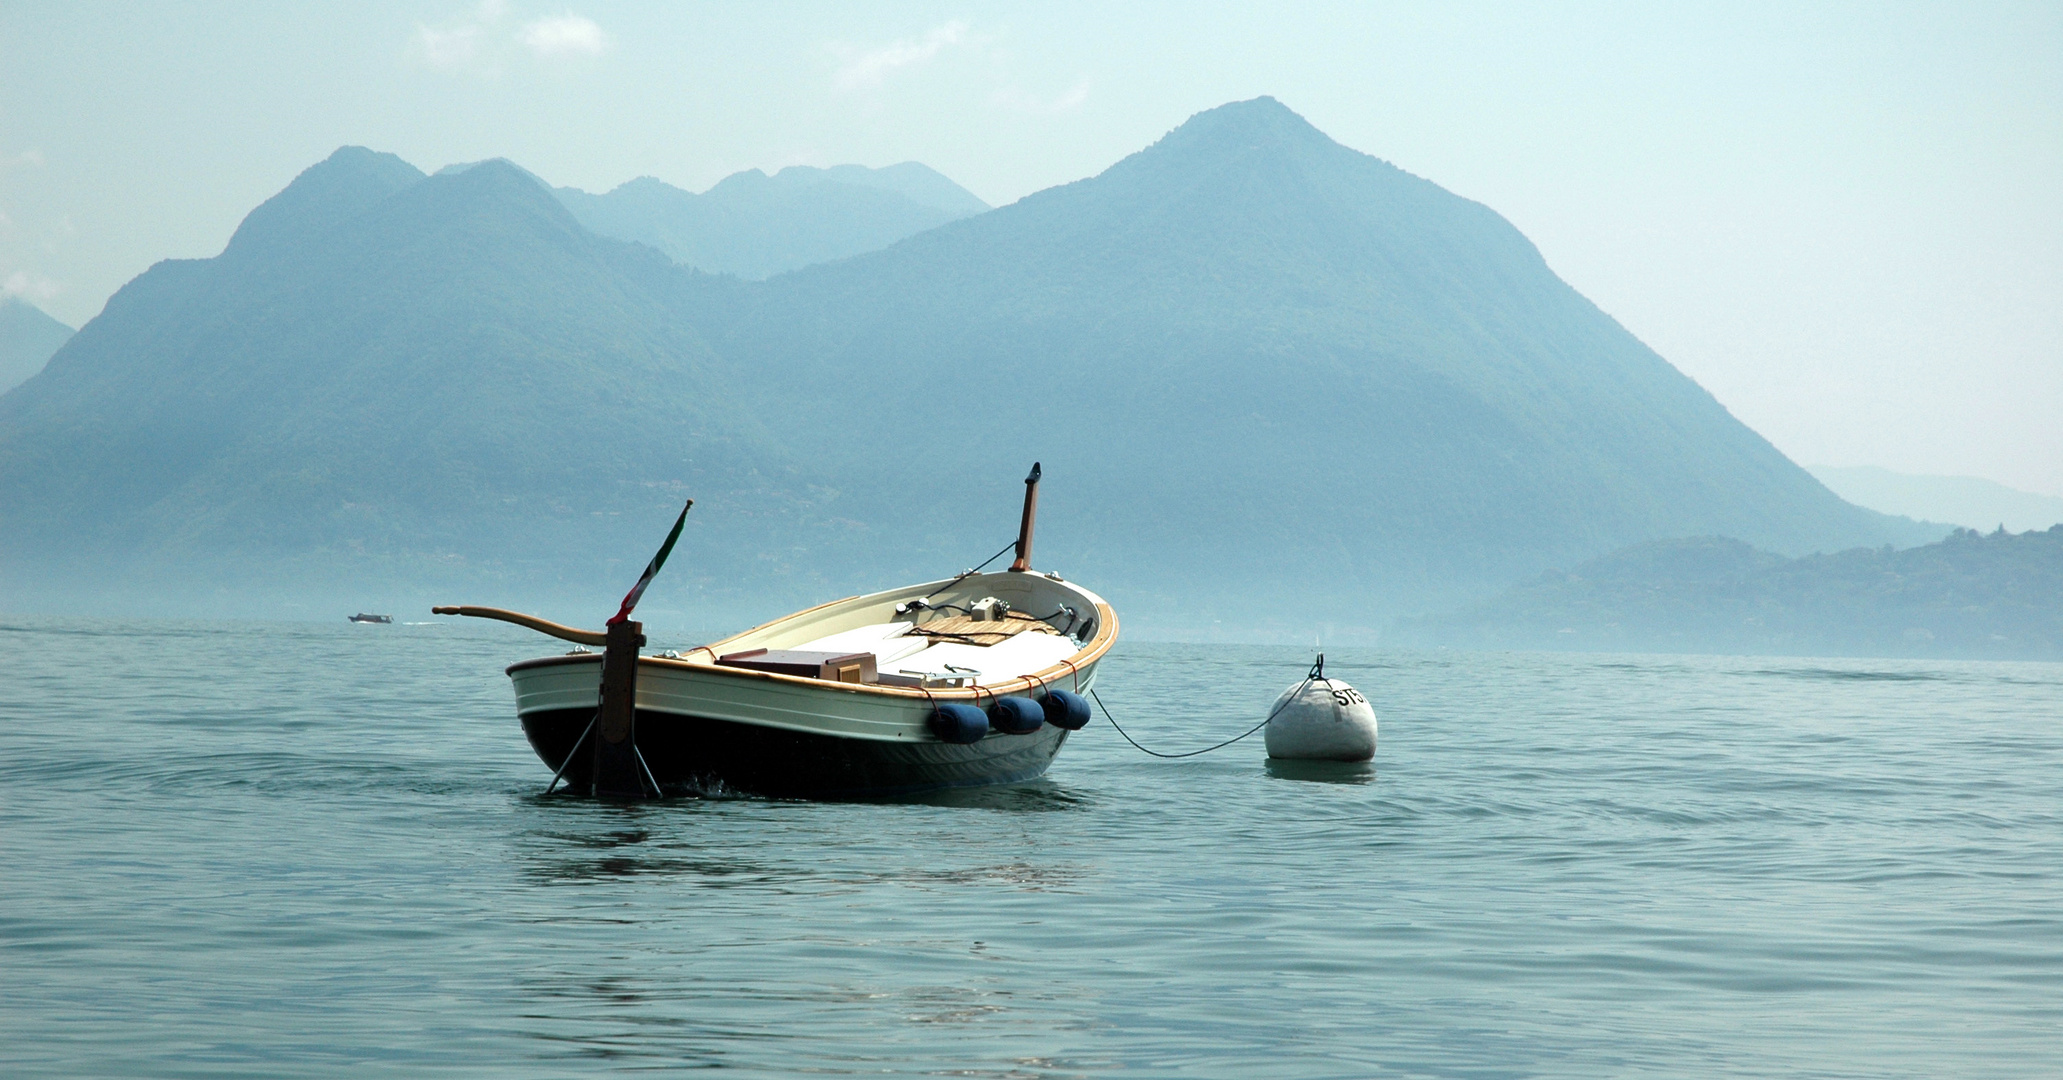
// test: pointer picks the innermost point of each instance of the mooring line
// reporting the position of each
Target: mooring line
(657, 791)
(1228, 742)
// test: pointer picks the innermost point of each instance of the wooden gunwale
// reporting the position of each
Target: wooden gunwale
(1106, 635)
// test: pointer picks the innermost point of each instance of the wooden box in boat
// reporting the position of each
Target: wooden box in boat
(858, 667)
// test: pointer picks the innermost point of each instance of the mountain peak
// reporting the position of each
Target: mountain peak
(327, 193)
(490, 201)
(28, 337)
(1255, 122)
(1258, 111)
(913, 180)
(498, 162)
(747, 180)
(17, 310)
(494, 173)
(1259, 148)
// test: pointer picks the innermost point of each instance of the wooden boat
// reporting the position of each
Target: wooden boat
(964, 681)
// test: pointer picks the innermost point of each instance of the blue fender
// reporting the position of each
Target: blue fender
(959, 724)
(1016, 715)
(1067, 711)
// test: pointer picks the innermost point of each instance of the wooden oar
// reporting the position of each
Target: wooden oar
(543, 626)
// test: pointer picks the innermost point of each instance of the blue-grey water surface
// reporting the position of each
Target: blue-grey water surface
(311, 850)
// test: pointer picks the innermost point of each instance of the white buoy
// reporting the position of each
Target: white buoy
(1321, 719)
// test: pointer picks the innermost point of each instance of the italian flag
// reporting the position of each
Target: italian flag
(630, 599)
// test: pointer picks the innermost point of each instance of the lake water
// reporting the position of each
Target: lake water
(314, 850)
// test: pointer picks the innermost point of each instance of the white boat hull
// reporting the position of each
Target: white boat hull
(705, 725)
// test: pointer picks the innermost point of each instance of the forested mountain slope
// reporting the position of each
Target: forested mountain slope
(1265, 358)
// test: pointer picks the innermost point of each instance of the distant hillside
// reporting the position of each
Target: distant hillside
(1971, 596)
(27, 339)
(754, 225)
(1276, 383)
(1968, 501)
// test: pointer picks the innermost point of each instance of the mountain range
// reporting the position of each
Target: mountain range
(754, 225)
(1276, 383)
(1970, 501)
(1972, 595)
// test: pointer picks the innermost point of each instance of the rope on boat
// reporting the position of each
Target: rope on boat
(1291, 696)
(965, 574)
(584, 733)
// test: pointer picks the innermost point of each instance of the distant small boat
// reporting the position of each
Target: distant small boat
(363, 617)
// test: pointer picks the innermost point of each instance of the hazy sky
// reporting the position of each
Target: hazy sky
(1844, 221)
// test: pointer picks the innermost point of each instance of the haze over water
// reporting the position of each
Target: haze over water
(281, 850)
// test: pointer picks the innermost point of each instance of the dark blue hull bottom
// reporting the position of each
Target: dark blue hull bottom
(689, 753)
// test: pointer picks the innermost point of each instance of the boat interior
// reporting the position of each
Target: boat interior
(981, 630)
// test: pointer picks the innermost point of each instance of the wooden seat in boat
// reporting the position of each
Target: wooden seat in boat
(968, 630)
